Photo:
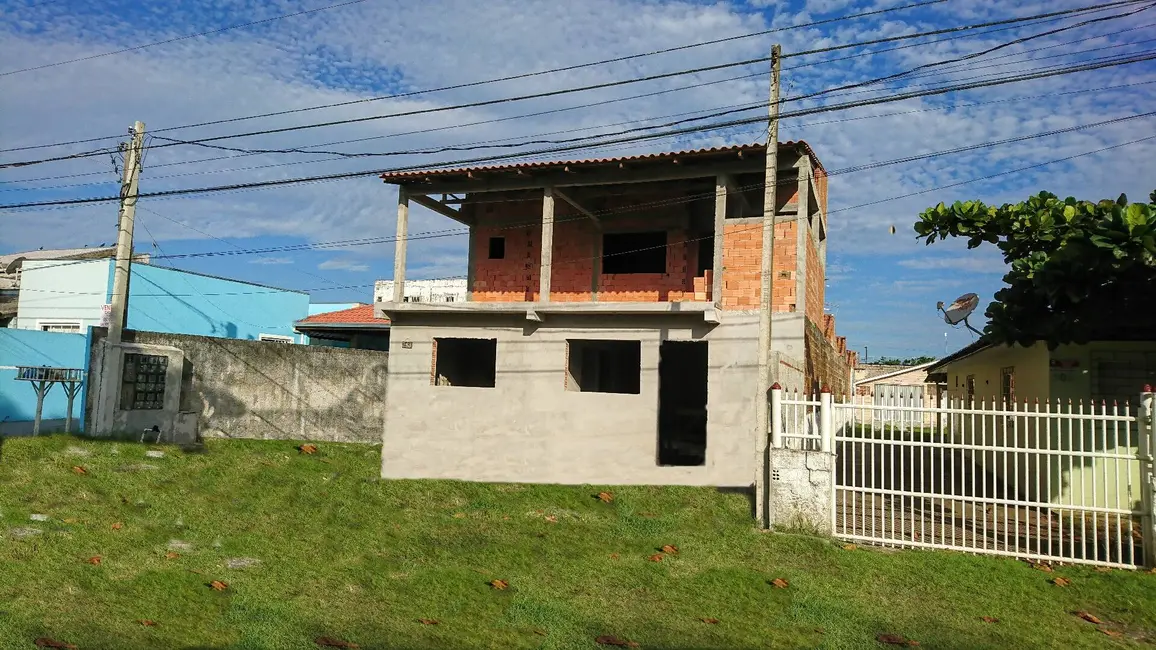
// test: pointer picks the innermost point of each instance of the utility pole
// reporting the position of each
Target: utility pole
(770, 203)
(128, 198)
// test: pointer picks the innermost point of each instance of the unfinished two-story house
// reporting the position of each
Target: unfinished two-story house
(610, 332)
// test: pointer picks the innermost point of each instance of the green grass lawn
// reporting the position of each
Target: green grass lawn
(345, 555)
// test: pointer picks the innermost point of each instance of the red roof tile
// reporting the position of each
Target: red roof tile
(758, 148)
(354, 315)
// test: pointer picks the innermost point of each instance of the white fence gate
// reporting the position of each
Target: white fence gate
(1066, 483)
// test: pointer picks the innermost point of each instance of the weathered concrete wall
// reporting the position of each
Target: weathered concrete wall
(800, 490)
(259, 389)
(528, 427)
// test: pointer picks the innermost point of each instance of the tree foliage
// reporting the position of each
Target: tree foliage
(895, 361)
(1078, 270)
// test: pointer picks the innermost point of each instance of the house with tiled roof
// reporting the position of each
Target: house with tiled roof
(355, 327)
(611, 327)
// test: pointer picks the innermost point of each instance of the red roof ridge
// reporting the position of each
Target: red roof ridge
(362, 313)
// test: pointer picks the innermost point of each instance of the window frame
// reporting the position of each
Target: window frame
(128, 389)
(49, 322)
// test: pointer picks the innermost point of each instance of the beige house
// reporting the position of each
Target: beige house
(1100, 381)
(1100, 371)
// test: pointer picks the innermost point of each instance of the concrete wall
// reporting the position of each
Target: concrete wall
(17, 399)
(178, 302)
(257, 389)
(530, 428)
(63, 291)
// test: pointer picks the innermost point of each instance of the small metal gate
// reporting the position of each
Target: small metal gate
(1071, 483)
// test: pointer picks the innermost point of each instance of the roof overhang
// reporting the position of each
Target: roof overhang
(680, 165)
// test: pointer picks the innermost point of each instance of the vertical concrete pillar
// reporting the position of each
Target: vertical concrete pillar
(720, 218)
(804, 234)
(400, 244)
(547, 245)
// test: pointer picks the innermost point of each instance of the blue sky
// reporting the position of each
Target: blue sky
(882, 287)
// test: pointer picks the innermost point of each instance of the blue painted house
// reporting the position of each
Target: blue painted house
(59, 300)
(70, 296)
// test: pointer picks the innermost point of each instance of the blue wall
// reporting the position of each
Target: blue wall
(35, 348)
(178, 302)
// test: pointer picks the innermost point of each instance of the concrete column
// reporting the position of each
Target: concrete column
(720, 218)
(400, 244)
(471, 262)
(804, 234)
(547, 245)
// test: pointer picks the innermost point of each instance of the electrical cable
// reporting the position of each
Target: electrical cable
(622, 82)
(709, 127)
(525, 75)
(645, 205)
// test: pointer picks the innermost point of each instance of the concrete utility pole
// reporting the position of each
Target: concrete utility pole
(128, 198)
(399, 244)
(770, 203)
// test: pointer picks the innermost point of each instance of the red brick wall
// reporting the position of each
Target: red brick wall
(815, 282)
(826, 366)
(742, 259)
(516, 277)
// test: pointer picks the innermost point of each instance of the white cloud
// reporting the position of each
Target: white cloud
(345, 55)
(342, 265)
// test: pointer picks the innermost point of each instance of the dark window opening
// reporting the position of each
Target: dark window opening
(604, 366)
(143, 382)
(465, 362)
(682, 394)
(705, 255)
(634, 252)
(497, 248)
(970, 387)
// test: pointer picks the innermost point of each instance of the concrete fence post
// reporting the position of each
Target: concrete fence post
(776, 415)
(1146, 418)
(826, 432)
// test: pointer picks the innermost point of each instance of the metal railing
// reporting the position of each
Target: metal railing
(1056, 482)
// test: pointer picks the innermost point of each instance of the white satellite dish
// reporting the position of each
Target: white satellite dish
(958, 311)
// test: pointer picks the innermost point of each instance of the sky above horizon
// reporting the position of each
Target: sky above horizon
(882, 287)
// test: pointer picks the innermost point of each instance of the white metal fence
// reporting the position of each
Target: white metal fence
(1069, 483)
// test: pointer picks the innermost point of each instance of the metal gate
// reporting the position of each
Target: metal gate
(1043, 482)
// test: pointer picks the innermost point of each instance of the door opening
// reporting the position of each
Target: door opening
(682, 393)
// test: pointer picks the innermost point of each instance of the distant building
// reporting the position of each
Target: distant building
(423, 290)
(12, 264)
(355, 328)
(71, 296)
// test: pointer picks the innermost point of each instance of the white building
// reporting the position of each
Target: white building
(423, 290)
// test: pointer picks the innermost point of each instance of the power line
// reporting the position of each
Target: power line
(436, 234)
(179, 38)
(619, 82)
(751, 106)
(714, 126)
(741, 229)
(524, 75)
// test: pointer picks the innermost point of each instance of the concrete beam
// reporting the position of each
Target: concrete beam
(390, 309)
(577, 206)
(603, 177)
(441, 208)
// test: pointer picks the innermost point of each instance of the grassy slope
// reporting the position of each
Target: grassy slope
(349, 556)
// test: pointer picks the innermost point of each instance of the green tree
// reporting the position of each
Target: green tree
(1078, 270)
